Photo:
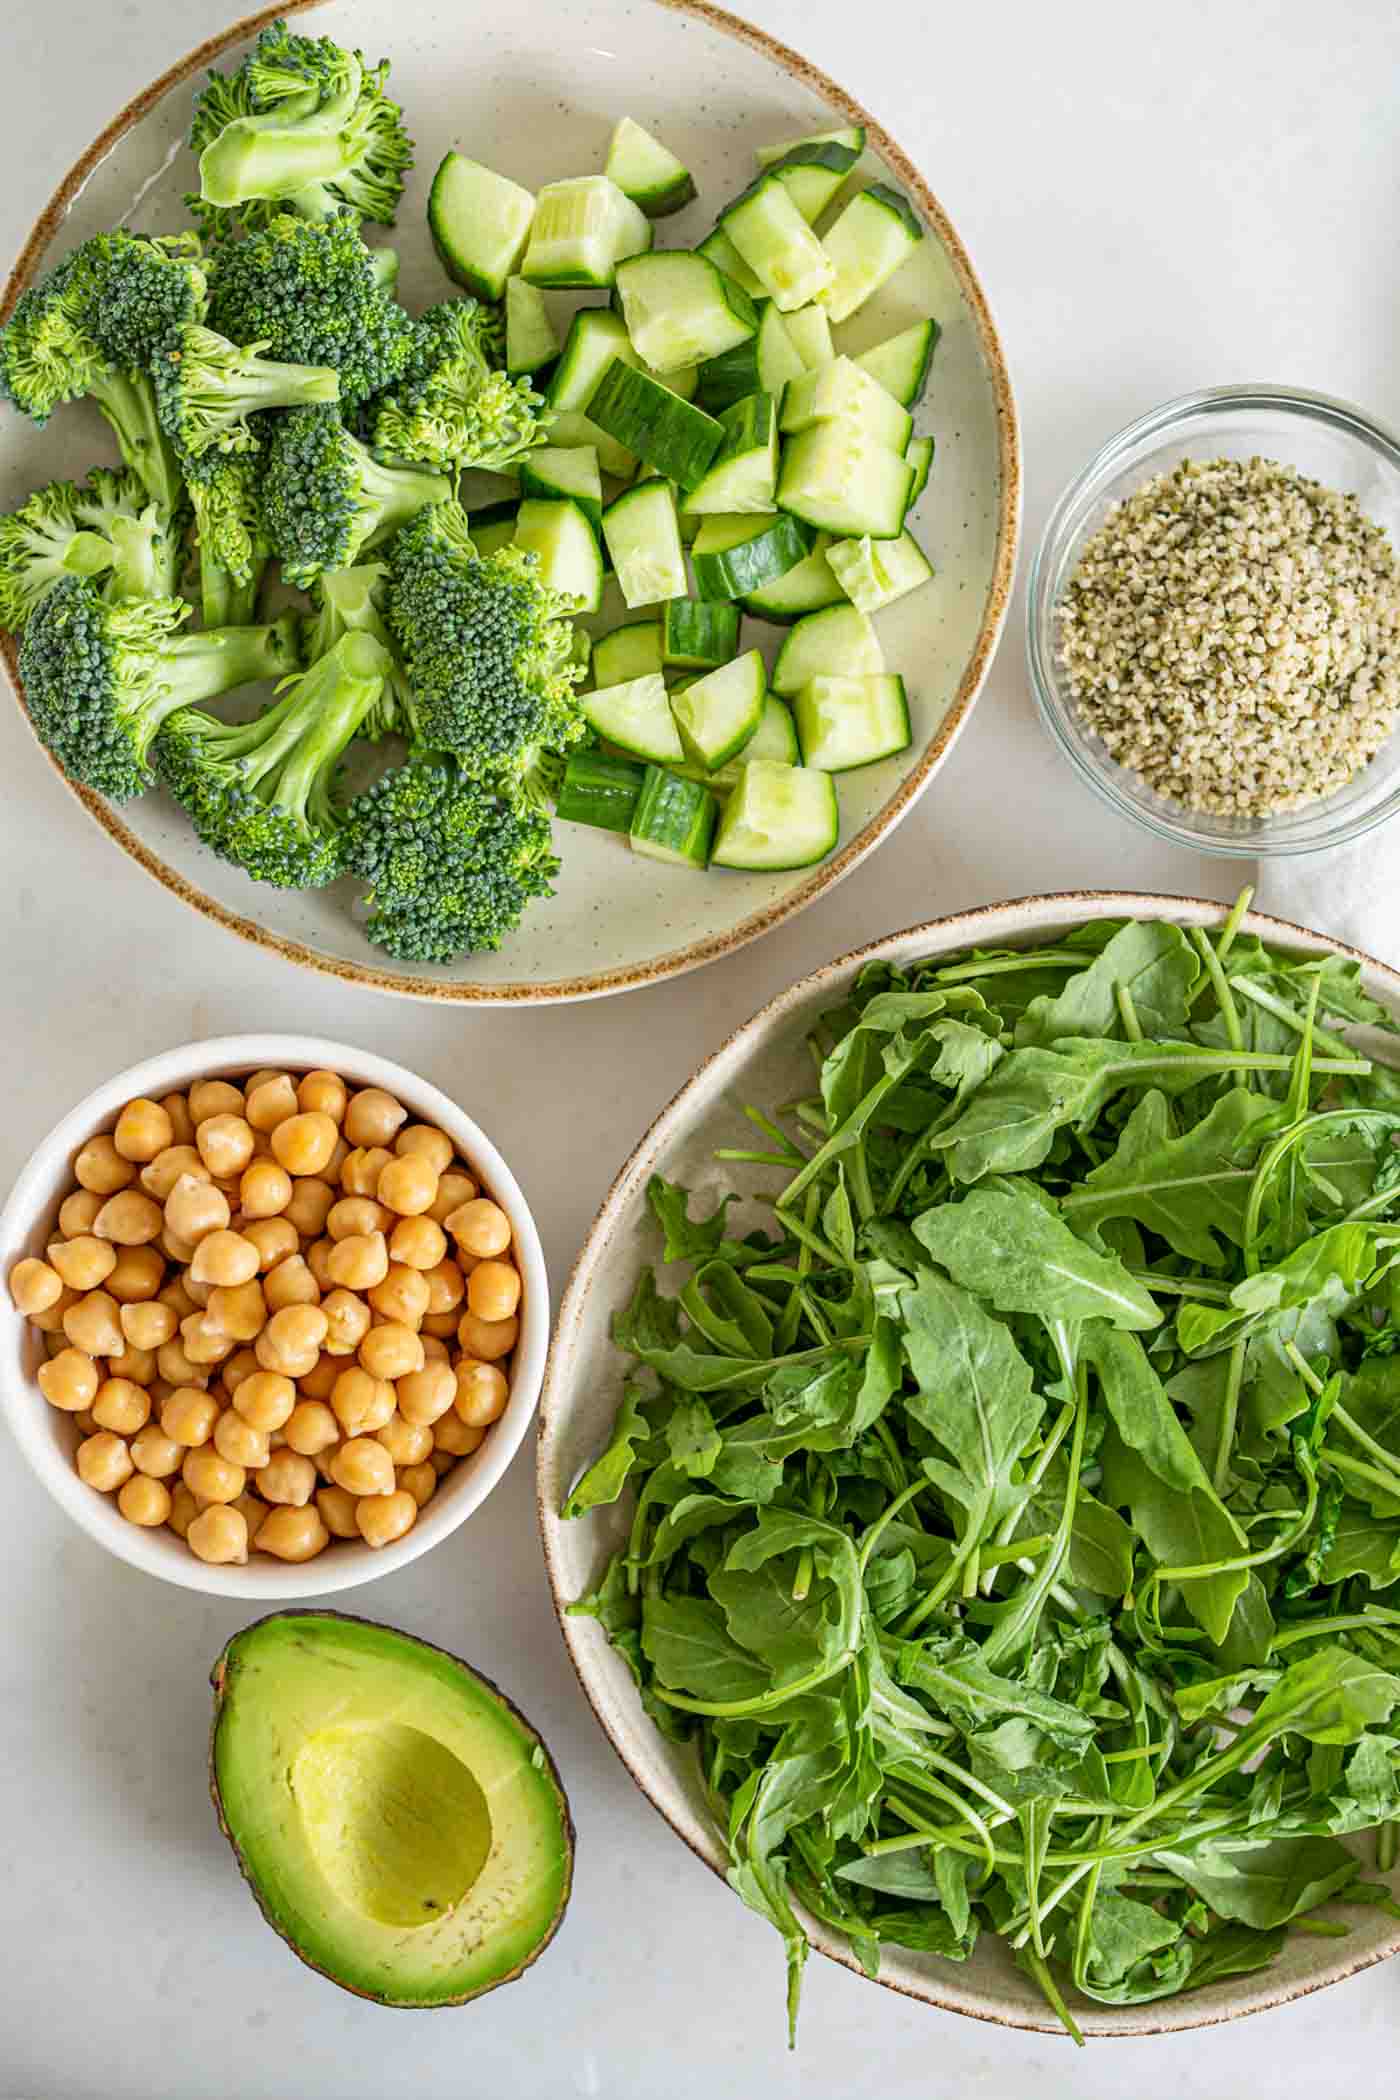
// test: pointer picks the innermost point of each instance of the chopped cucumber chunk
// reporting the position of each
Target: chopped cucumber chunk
(777, 817)
(775, 738)
(646, 171)
(838, 643)
(637, 718)
(812, 173)
(847, 722)
(566, 470)
(559, 532)
(599, 790)
(643, 538)
(583, 228)
(874, 573)
(840, 479)
(761, 365)
(804, 589)
(674, 819)
(919, 456)
(851, 136)
(628, 653)
(530, 337)
(744, 474)
(901, 362)
(480, 222)
(843, 389)
(671, 435)
(874, 234)
(777, 244)
(717, 714)
(698, 637)
(493, 526)
(722, 252)
(596, 337)
(809, 332)
(734, 556)
(680, 310)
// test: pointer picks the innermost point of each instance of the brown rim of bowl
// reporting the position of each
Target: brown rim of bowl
(695, 953)
(1117, 903)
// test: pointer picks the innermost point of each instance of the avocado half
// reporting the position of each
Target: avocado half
(400, 1823)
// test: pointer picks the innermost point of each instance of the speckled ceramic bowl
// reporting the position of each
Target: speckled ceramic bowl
(534, 89)
(767, 1060)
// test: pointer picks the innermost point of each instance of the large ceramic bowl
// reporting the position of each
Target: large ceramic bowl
(533, 89)
(767, 1060)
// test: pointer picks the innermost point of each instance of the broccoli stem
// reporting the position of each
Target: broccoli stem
(301, 738)
(224, 601)
(249, 160)
(193, 668)
(395, 494)
(128, 401)
(145, 559)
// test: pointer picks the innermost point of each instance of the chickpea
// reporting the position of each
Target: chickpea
(384, 1518)
(104, 1462)
(270, 1101)
(304, 1143)
(443, 1461)
(121, 1406)
(311, 1428)
(310, 1205)
(225, 1144)
(138, 1274)
(174, 1248)
(429, 1142)
(454, 1189)
(360, 1402)
(291, 1340)
(239, 1309)
(224, 1258)
(260, 1078)
(420, 1482)
(318, 1260)
(404, 1295)
(487, 1340)
(238, 1441)
(352, 1215)
(482, 1393)
(50, 1321)
(372, 1117)
(363, 1467)
(347, 1322)
(323, 1093)
(219, 1536)
(84, 1262)
(435, 1350)
(274, 1238)
(408, 1185)
(425, 1396)
(242, 1365)
(84, 1423)
(480, 1228)
(193, 1209)
(176, 1297)
(447, 1287)
(92, 1324)
(143, 1129)
(418, 1243)
(265, 1399)
(359, 1175)
(159, 1176)
(183, 1509)
(139, 1365)
(338, 1512)
(144, 1500)
(292, 1534)
(290, 1283)
(130, 1218)
(176, 1367)
(287, 1477)
(358, 1262)
(319, 1382)
(391, 1351)
(454, 1438)
(204, 1340)
(216, 1479)
(156, 1454)
(177, 1107)
(437, 1327)
(69, 1381)
(407, 1443)
(188, 1416)
(100, 1167)
(34, 1286)
(214, 1097)
(493, 1290)
(264, 1189)
(77, 1211)
(250, 1507)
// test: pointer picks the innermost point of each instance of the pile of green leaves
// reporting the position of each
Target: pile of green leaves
(1010, 1517)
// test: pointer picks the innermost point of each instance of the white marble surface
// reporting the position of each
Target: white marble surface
(1155, 202)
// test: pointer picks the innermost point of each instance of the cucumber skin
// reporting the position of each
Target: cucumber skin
(733, 816)
(475, 281)
(734, 572)
(706, 633)
(600, 791)
(623, 404)
(669, 803)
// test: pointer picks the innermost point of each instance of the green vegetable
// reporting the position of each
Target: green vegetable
(326, 498)
(208, 387)
(225, 492)
(109, 528)
(1007, 1515)
(454, 407)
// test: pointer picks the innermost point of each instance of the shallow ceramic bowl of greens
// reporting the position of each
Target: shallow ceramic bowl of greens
(766, 1061)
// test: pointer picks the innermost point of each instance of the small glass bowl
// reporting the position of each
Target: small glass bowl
(1327, 440)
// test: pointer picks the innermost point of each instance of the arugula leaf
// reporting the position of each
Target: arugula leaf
(1266, 1882)
(1152, 961)
(1007, 1246)
(686, 1239)
(1191, 1190)
(974, 1396)
(605, 1479)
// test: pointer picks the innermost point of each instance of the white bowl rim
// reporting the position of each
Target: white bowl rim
(693, 954)
(1008, 923)
(25, 1409)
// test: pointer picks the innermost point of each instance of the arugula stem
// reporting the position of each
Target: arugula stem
(1373, 1619)
(1229, 1416)
(762, 1702)
(891, 1509)
(1367, 1443)
(1280, 1146)
(1229, 1012)
(1387, 1845)
(1386, 1482)
(1127, 1013)
(1001, 965)
(1007, 1635)
(1325, 1038)
(1040, 1969)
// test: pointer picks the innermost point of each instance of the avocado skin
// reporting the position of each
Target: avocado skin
(217, 1679)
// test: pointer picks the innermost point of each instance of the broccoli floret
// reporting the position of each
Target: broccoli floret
(305, 124)
(311, 294)
(259, 792)
(51, 351)
(351, 601)
(142, 288)
(108, 529)
(452, 409)
(487, 646)
(450, 864)
(99, 679)
(230, 535)
(208, 387)
(326, 498)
